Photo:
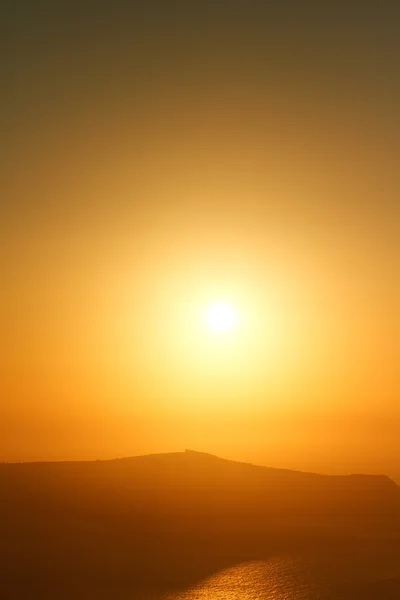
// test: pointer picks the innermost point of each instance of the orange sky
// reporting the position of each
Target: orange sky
(145, 179)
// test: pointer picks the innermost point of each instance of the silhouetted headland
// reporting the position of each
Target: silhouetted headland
(167, 520)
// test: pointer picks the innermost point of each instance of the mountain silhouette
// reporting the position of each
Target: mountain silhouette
(170, 519)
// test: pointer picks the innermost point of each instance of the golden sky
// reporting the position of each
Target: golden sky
(157, 161)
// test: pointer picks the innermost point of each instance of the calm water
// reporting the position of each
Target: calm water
(347, 576)
(366, 572)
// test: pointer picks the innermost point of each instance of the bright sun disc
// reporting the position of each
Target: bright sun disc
(221, 316)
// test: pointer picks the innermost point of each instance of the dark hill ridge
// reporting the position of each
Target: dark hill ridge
(192, 464)
(200, 484)
(200, 462)
(195, 458)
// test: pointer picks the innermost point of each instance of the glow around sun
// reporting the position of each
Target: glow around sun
(220, 317)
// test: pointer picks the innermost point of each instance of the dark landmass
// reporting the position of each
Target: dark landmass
(165, 521)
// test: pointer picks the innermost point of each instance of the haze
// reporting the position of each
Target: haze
(159, 158)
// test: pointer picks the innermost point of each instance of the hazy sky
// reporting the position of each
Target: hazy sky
(158, 155)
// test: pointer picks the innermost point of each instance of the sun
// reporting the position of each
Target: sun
(220, 317)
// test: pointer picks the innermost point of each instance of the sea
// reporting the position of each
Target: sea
(366, 574)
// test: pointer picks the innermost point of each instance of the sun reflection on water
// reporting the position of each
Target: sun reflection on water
(276, 579)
